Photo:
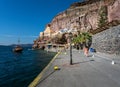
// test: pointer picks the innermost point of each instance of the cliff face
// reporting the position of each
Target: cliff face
(84, 16)
(114, 11)
(94, 16)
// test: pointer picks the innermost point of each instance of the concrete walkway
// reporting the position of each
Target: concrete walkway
(92, 71)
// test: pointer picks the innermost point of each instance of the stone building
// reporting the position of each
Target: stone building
(47, 32)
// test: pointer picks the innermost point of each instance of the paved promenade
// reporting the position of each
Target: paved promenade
(92, 71)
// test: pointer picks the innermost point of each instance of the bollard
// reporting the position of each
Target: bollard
(56, 68)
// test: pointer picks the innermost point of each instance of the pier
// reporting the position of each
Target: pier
(96, 70)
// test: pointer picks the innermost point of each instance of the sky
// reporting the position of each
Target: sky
(25, 19)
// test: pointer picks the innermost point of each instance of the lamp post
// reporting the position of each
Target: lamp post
(70, 36)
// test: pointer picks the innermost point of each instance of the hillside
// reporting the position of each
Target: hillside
(87, 15)
(99, 17)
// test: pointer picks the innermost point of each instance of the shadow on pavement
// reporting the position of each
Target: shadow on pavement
(47, 77)
(83, 62)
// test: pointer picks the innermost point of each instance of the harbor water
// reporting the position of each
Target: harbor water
(20, 69)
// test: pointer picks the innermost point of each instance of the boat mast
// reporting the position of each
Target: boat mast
(18, 41)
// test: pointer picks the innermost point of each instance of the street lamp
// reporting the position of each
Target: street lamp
(70, 36)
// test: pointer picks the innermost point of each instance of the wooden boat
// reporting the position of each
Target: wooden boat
(18, 48)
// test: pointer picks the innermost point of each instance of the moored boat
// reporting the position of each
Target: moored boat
(18, 48)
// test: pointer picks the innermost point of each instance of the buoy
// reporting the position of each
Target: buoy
(56, 68)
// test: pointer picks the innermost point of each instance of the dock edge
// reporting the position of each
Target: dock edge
(37, 79)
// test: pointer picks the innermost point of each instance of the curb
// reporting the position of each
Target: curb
(37, 79)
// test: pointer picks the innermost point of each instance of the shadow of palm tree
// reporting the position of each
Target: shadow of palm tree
(84, 61)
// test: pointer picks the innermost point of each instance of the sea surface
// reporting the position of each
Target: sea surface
(20, 69)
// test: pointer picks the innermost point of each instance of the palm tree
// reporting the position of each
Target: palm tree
(84, 39)
(76, 41)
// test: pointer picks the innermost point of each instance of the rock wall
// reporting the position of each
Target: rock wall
(107, 41)
(114, 10)
(84, 16)
(80, 16)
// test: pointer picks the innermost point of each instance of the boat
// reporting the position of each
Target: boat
(18, 48)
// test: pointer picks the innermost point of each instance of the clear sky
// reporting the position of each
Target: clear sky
(24, 19)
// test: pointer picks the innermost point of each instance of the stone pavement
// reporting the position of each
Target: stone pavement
(107, 57)
(92, 71)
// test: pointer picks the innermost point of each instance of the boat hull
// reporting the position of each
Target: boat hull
(18, 49)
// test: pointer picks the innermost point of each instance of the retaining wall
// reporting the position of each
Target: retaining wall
(107, 41)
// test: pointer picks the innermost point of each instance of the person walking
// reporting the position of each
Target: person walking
(85, 51)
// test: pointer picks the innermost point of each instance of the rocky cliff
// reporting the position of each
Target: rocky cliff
(95, 16)
(87, 15)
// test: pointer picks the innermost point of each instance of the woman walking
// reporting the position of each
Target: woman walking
(85, 51)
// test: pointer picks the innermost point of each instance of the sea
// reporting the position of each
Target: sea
(20, 69)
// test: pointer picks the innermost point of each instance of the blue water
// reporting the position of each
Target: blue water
(20, 69)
